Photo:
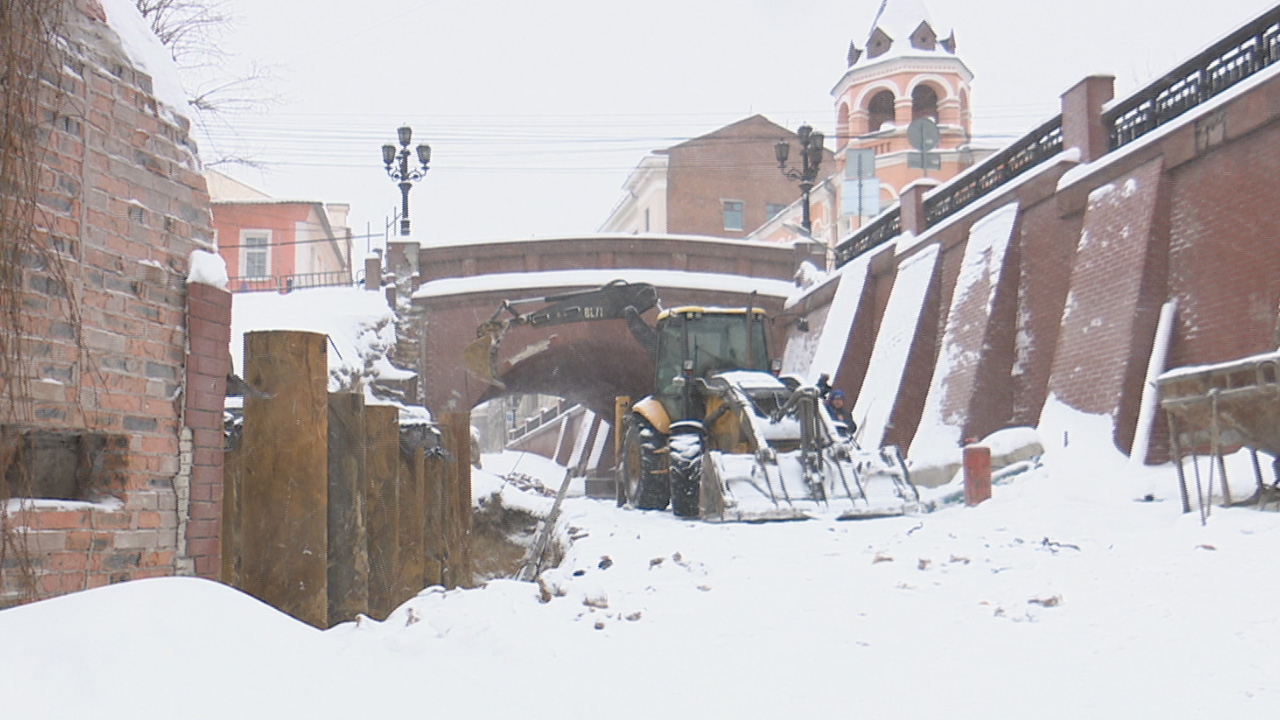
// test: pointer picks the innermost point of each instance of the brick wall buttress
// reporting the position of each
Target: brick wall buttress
(1117, 286)
(208, 364)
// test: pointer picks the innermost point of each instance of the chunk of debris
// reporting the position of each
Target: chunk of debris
(881, 557)
(606, 562)
(1051, 601)
(1054, 547)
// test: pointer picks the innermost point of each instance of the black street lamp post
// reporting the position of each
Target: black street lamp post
(810, 158)
(400, 171)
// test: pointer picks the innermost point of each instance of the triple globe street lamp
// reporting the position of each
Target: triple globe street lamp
(397, 162)
(810, 158)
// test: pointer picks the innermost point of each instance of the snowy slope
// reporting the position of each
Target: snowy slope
(1062, 597)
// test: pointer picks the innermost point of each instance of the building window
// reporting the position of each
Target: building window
(255, 253)
(732, 214)
(772, 209)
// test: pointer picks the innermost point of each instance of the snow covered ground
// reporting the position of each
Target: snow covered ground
(1069, 595)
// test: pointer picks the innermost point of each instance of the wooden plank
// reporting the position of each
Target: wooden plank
(285, 481)
(436, 545)
(348, 546)
(456, 437)
(412, 524)
(382, 464)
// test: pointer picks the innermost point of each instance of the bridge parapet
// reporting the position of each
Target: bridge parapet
(689, 253)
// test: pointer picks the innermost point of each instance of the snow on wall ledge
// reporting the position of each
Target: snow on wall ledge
(893, 345)
(208, 269)
(595, 278)
(813, 354)
(147, 52)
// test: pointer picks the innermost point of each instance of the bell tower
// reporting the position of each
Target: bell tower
(905, 68)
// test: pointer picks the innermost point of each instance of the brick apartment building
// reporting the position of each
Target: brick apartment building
(112, 426)
(723, 184)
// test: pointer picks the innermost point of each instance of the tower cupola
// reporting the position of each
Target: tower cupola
(903, 69)
(901, 27)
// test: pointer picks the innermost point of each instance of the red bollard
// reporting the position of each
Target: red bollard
(977, 474)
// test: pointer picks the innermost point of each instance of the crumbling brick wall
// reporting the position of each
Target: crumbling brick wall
(121, 206)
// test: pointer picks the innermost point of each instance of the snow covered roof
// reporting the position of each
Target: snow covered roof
(902, 28)
(223, 187)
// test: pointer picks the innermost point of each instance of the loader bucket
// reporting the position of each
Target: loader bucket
(480, 359)
(796, 463)
(862, 485)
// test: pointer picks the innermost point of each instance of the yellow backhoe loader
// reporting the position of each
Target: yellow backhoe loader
(721, 437)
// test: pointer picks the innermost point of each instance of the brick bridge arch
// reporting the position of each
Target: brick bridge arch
(590, 362)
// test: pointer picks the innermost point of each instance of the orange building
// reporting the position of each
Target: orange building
(903, 71)
(274, 244)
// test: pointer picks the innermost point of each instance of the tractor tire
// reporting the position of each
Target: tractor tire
(642, 480)
(686, 451)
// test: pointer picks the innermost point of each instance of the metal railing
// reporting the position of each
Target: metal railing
(544, 417)
(1238, 56)
(289, 283)
(888, 225)
(1032, 149)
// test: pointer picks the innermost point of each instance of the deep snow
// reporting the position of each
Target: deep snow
(1068, 595)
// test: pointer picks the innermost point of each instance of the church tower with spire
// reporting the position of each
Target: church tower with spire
(905, 69)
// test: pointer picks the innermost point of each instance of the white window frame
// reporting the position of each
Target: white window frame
(742, 214)
(246, 235)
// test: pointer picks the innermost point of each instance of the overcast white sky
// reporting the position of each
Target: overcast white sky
(537, 111)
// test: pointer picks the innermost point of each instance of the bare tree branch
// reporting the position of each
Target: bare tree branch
(192, 30)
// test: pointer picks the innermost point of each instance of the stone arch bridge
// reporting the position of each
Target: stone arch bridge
(462, 285)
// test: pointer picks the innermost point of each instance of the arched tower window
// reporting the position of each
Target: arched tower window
(880, 110)
(924, 103)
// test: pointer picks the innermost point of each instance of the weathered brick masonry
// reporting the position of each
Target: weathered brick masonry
(123, 201)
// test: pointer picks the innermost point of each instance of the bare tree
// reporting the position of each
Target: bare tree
(192, 30)
(189, 28)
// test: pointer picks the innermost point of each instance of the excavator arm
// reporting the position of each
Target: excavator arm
(616, 300)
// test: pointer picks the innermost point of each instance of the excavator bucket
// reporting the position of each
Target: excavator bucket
(616, 300)
(480, 356)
